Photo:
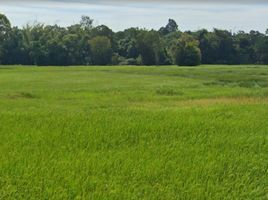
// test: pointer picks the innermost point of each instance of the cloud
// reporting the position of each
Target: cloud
(149, 14)
(122, 2)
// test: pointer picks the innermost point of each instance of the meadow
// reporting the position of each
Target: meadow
(125, 132)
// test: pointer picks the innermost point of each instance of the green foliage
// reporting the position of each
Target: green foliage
(132, 61)
(117, 59)
(262, 51)
(40, 44)
(5, 26)
(127, 44)
(101, 50)
(86, 22)
(186, 52)
(171, 27)
(117, 132)
(151, 48)
(5, 29)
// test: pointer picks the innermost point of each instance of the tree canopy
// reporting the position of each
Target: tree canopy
(86, 44)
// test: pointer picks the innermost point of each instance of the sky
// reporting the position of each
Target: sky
(232, 15)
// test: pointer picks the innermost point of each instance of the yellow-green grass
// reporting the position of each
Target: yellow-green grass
(134, 132)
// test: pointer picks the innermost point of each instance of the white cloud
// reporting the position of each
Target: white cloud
(149, 15)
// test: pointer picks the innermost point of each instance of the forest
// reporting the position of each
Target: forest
(86, 44)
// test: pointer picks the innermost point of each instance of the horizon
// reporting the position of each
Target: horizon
(119, 15)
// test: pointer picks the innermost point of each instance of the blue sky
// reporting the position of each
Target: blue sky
(190, 15)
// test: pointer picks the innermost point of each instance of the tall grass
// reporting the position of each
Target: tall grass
(134, 132)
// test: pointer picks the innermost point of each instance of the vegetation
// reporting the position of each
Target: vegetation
(186, 52)
(101, 50)
(86, 44)
(121, 132)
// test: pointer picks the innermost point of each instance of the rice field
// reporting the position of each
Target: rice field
(125, 132)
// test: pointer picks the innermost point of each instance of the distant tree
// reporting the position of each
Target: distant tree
(227, 51)
(101, 50)
(36, 43)
(262, 51)
(86, 22)
(244, 48)
(72, 48)
(217, 47)
(185, 51)
(127, 43)
(55, 44)
(84, 44)
(151, 48)
(5, 29)
(169, 28)
(128, 47)
(5, 25)
(102, 30)
(13, 49)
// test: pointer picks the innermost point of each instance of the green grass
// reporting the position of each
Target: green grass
(134, 132)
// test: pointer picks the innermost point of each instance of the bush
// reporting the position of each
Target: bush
(131, 61)
(192, 56)
(117, 59)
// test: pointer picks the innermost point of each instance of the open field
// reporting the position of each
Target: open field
(134, 132)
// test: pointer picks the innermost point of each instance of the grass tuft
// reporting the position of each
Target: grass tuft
(23, 95)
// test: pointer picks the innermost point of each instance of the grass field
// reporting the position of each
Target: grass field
(134, 132)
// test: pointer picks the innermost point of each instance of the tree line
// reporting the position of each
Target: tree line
(86, 44)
